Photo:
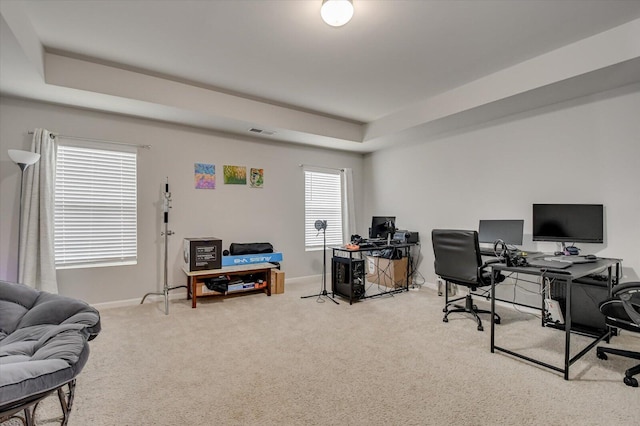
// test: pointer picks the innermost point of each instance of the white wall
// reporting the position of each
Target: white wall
(584, 151)
(231, 212)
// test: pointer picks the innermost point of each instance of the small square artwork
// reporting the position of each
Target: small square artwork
(235, 175)
(256, 178)
(205, 176)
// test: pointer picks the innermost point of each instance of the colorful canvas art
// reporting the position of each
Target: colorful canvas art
(205, 176)
(235, 175)
(256, 178)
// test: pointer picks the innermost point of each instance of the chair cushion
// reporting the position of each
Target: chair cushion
(43, 341)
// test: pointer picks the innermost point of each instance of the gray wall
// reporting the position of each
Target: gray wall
(585, 151)
(231, 212)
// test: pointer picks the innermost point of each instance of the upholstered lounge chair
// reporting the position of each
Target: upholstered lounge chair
(43, 347)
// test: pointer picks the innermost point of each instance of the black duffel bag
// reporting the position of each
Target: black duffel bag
(219, 284)
(237, 249)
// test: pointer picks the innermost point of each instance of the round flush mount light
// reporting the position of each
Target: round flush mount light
(336, 12)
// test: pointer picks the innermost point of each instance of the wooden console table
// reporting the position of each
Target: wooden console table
(196, 287)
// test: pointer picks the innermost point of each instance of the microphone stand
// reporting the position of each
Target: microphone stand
(324, 272)
(166, 233)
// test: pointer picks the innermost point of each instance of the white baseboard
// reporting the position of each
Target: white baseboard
(129, 302)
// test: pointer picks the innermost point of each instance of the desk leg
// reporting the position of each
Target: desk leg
(493, 311)
(268, 274)
(567, 329)
(193, 292)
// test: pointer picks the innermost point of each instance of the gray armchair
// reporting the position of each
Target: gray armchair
(43, 347)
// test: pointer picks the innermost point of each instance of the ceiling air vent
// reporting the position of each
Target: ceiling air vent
(262, 132)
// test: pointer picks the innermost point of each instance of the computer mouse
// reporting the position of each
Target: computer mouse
(591, 257)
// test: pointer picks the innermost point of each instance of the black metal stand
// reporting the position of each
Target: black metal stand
(324, 274)
(166, 233)
(25, 410)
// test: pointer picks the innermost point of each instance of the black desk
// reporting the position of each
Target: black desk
(567, 276)
(346, 254)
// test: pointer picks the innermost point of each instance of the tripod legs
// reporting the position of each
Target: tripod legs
(319, 296)
(324, 273)
(164, 293)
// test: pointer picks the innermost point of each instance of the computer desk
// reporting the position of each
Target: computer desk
(404, 248)
(567, 276)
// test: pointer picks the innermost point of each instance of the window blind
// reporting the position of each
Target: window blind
(95, 207)
(323, 201)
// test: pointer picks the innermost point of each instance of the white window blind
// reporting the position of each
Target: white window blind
(96, 207)
(323, 201)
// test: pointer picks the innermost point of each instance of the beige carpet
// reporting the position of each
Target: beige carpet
(282, 360)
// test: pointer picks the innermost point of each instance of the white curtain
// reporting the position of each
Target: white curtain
(348, 205)
(37, 266)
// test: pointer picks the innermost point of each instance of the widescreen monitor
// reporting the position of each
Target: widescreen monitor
(568, 223)
(382, 226)
(509, 231)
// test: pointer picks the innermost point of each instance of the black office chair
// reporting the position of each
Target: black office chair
(458, 261)
(622, 310)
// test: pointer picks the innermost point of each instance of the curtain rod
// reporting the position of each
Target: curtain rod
(320, 167)
(97, 140)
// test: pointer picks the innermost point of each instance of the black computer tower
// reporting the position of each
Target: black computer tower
(586, 296)
(347, 277)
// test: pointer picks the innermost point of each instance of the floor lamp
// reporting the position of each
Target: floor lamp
(23, 159)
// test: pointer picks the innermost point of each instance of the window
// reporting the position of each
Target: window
(322, 201)
(96, 207)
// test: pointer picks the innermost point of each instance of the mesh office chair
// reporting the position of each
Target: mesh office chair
(458, 261)
(622, 310)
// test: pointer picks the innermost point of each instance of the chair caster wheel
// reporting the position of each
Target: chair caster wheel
(496, 321)
(602, 355)
(480, 328)
(445, 319)
(475, 307)
(631, 381)
(444, 309)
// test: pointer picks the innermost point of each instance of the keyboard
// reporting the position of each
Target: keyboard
(549, 264)
(570, 259)
(558, 259)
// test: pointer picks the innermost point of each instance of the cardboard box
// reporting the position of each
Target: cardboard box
(387, 272)
(277, 281)
(201, 254)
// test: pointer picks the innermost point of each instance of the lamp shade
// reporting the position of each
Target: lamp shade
(336, 12)
(23, 157)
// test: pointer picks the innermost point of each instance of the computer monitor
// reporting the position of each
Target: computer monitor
(509, 231)
(381, 226)
(568, 223)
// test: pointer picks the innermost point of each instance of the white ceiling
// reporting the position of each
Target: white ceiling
(398, 70)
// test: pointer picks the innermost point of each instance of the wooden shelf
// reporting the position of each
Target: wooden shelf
(196, 287)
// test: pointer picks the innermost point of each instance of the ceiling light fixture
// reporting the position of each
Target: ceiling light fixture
(336, 12)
